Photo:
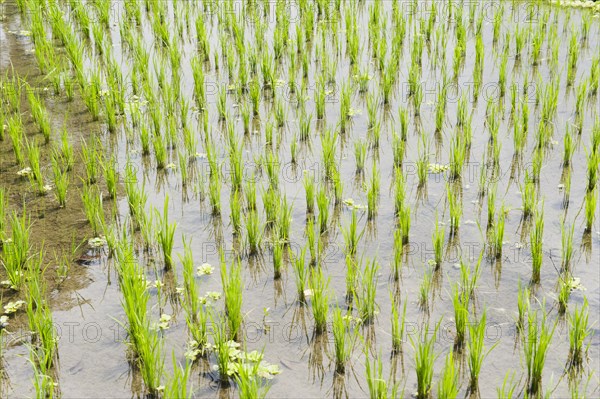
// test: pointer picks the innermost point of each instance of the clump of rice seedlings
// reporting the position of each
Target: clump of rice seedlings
(573, 57)
(352, 236)
(90, 156)
(277, 258)
(522, 306)
(92, 205)
(424, 362)
(400, 190)
(319, 287)
(438, 243)
(40, 114)
(398, 325)
(535, 240)
(422, 162)
(343, 340)
(448, 386)
(323, 205)
(460, 302)
(567, 246)
(16, 252)
(232, 289)
(476, 348)
(320, 100)
(565, 284)
(398, 253)
(253, 232)
(305, 122)
(166, 235)
(529, 197)
(457, 157)
(591, 199)
(35, 177)
(404, 223)
(111, 176)
(425, 289)
(61, 181)
(373, 193)
(176, 385)
(309, 189)
(160, 151)
(249, 381)
(301, 274)
(508, 388)
(491, 205)
(365, 297)
(377, 384)
(497, 234)
(352, 272)
(579, 331)
(214, 194)
(360, 154)
(454, 204)
(593, 165)
(328, 146)
(569, 147)
(236, 212)
(15, 132)
(535, 348)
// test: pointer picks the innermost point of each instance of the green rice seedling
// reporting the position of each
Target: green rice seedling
(320, 100)
(594, 79)
(66, 150)
(535, 349)
(15, 132)
(403, 118)
(2, 122)
(16, 253)
(399, 190)
(214, 194)
(373, 193)
(166, 234)
(567, 246)
(469, 277)
(323, 205)
(160, 152)
(565, 284)
(591, 199)
(535, 241)
(529, 196)
(338, 187)
(253, 232)
(573, 57)
(249, 381)
(319, 287)
(250, 190)
(477, 353)
(579, 331)
(569, 147)
(61, 181)
(328, 147)
(593, 166)
(360, 154)
(460, 302)
(522, 306)
(277, 258)
(371, 109)
(39, 114)
(497, 234)
(3, 211)
(398, 325)
(425, 289)
(309, 189)
(448, 386)
(92, 205)
(91, 159)
(352, 272)
(404, 223)
(438, 243)
(374, 135)
(305, 123)
(365, 297)
(35, 177)
(232, 289)
(491, 205)
(455, 207)
(508, 388)
(398, 149)
(176, 385)
(271, 205)
(424, 362)
(398, 253)
(502, 74)
(301, 274)
(280, 113)
(352, 236)
(422, 162)
(236, 212)
(343, 340)
(222, 347)
(111, 176)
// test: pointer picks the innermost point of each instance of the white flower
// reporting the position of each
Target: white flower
(164, 322)
(205, 268)
(3, 321)
(12, 307)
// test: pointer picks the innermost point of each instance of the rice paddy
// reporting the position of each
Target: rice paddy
(299, 198)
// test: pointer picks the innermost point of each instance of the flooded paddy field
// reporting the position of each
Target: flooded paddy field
(299, 199)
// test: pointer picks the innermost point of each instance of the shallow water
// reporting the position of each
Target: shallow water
(92, 343)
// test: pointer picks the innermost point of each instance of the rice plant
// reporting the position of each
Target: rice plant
(591, 199)
(567, 246)
(438, 243)
(579, 331)
(323, 205)
(460, 302)
(424, 361)
(497, 234)
(535, 349)
(455, 206)
(376, 383)
(232, 289)
(166, 234)
(94, 211)
(404, 223)
(523, 306)
(253, 232)
(535, 242)
(319, 287)
(476, 350)
(398, 325)
(16, 252)
(60, 180)
(373, 193)
(360, 154)
(91, 159)
(343, 340)
(366, 295)
(448, 385)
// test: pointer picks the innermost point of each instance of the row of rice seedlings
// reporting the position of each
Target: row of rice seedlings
(144, 340)
(16, 252)
(232, 289)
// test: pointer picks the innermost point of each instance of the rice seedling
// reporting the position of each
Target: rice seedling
(15, 253)
(61, 181)
(529, 196)
(460, 302)
(535, 241)
(232, 289)
(567, 246)
(166, 234)
(508, 388)
(323, 205)
(404, 223)
(373, 193)
(535, 349)
(424, 361)
(422, 162)
(15, 132)
(448, 386)
(591, 199)
(569, 147)
(476, 349)
(523, 306)
(319, 287)
(35, 176)
(398, 326)
(360, 154)
(455, 207)
(253, 232)
(593, 166)
(111, 176)
(214, 194)
(40, 114)
(497, 234)
(176, 385)
(365, 296)
(301, 274)
(491, 205)
(352, 236)
(438, 243)
(343, 340)
(579, 331)
(3, 211)
(425, 289)
(92, 205)
(90, 156)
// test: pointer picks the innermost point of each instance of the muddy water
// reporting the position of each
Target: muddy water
(92, 346)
